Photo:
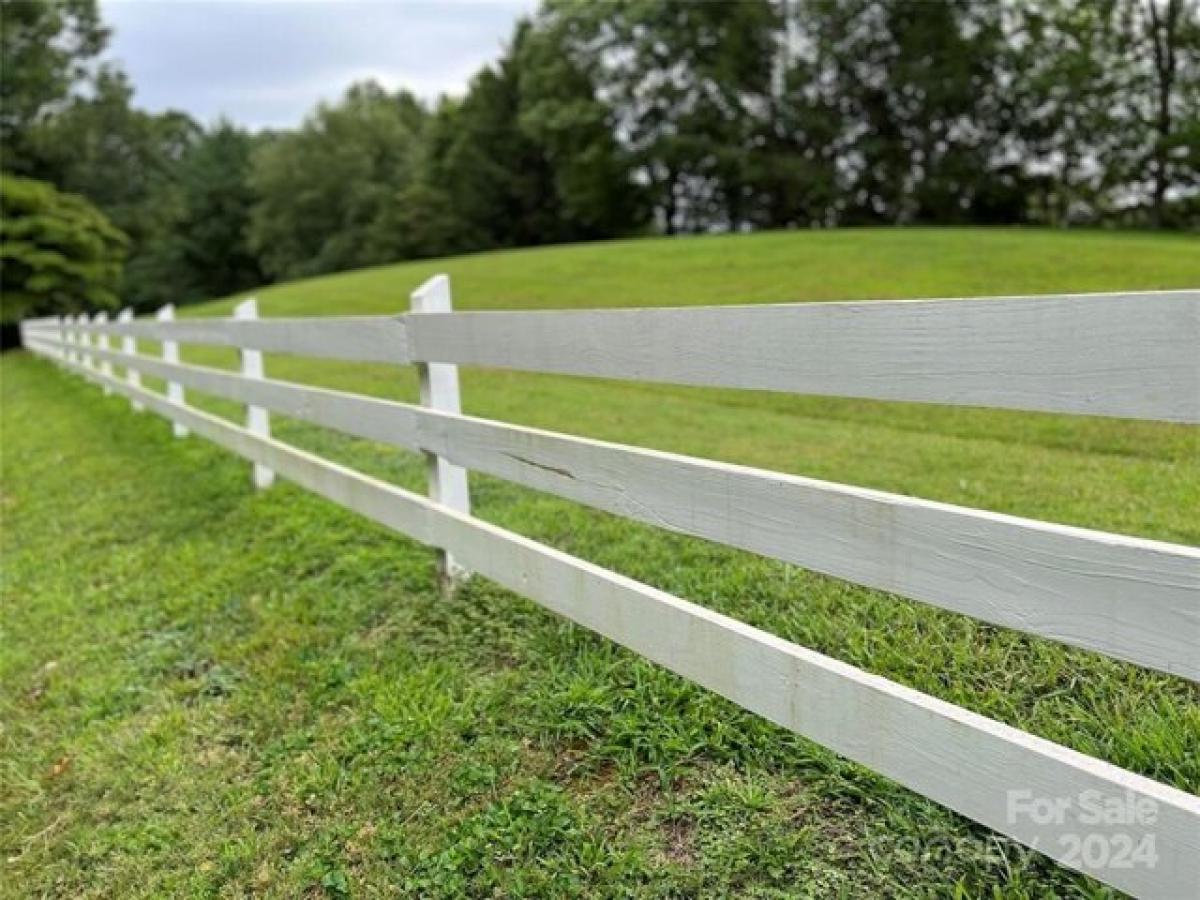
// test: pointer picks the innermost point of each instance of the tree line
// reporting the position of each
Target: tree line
(602, 120)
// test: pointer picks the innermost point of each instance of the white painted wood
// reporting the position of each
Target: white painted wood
(80, 338)
(1132, 355)
(170, 354)
(33, 333)
(68, 349)
(101, 319)
(361, 338)
(44, 323)
(129, 347)
(64, 326)
(36, 344)
(448, 482)
(71, 354)
(379, 420)
(86, 339)
(257, 419)
(1127, 354)
(41, 327)
(106, 369)
(965, 761)
(1133, 599)
(43, 336)
(1130, 598)
(40, 332)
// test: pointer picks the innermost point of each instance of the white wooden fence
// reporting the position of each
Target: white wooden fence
(1130, 355)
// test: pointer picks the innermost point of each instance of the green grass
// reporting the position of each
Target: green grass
(206, 691)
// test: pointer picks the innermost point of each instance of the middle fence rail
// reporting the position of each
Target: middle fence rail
(1137, 600)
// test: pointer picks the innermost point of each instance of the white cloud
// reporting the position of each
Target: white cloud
(267, 63)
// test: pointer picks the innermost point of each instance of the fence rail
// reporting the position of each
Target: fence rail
(1130, 355)
(359, 338)
(1068, 584)
(1133, 599)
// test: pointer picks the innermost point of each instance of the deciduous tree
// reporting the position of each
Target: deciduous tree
(58, 253)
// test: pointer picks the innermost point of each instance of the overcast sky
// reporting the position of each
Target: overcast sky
(266, 63)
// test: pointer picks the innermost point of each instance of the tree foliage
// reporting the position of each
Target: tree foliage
(688, 85)
(559, 110)
(45, 52)
(528, 156)
(505, 163)
(212, 231)
(127, 162)
(602, 120)
(58, 253)
(323, 188)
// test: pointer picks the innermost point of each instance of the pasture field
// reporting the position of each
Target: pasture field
(208, 691)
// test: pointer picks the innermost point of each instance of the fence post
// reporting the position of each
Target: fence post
(257, 419)
(439, 390)
(64, 337)
(77, 339)
(101, 319)
(170, 354)
(85, 339)
(63, 352)
(129, 347)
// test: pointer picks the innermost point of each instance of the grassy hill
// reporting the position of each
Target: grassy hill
(207, 691)
(769, 267)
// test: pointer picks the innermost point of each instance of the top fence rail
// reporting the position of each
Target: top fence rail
(356, 338)
(1132, 355)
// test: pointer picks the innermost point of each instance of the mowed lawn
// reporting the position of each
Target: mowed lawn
(207, 691)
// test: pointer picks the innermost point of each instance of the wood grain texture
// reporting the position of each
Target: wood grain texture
(1130, 598)
(958, 758)
(258, 420)
(439, 390)
(363, 338)
(1131, 355)
(368, 417)
(170, 355)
